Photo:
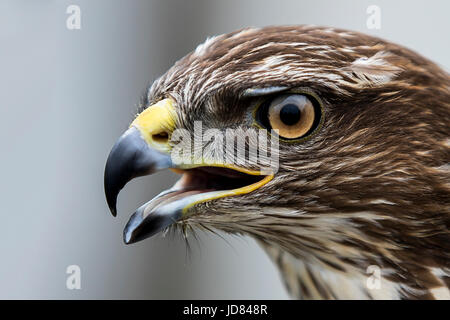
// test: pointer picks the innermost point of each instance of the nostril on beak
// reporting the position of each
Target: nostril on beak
(161, 137)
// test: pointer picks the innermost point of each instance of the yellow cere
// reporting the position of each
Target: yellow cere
(159, 118)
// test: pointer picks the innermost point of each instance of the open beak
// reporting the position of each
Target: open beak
(144, 149)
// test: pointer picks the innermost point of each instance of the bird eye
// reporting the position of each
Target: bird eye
(293, 115)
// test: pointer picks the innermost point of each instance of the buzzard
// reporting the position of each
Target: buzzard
(358, 205)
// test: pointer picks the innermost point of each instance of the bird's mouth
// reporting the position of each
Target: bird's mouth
(131, 157)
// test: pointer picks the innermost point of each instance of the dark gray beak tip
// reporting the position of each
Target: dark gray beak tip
(128, 234)
(133, 229)
(110, 193)
(111, 202)
(139, 228)
(130, 157)
(119, 168)
(113, 211)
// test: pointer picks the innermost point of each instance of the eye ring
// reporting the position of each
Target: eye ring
(297, 115)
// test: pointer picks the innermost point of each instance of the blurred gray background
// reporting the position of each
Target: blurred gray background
(67, 95)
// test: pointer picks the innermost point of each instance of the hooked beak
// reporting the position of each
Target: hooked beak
(144, 149)
(130, 157)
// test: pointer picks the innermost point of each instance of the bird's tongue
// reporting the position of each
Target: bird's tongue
(166, 197)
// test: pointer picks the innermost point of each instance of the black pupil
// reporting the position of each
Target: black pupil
(290, 114)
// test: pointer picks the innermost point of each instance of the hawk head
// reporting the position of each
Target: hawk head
(359, 128)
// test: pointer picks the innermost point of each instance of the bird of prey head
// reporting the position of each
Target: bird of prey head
(358, 205)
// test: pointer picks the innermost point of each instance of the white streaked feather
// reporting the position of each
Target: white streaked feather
(374, 70)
